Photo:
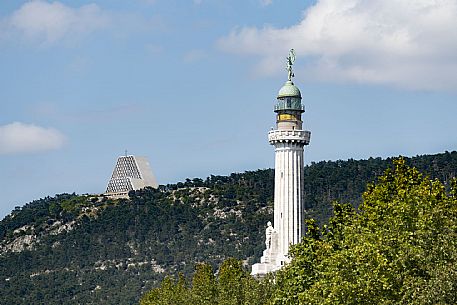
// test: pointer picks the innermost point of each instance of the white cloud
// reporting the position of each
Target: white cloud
(46, 22)
(411, 44)
(266, 2)
(27, 138)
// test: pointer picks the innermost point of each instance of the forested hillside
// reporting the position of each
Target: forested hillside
(72, 249)
(398, 247)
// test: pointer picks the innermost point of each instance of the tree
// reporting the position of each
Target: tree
(204, 285)
(233, 286)
(169, 293)
(230, 284)
(400, 248)
(259, 291)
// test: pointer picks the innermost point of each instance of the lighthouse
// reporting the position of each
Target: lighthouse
(289, 140)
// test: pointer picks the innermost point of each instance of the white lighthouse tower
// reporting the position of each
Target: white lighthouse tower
(289, 140)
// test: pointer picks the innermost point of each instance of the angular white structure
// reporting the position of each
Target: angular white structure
(130, 173)
(289, 140)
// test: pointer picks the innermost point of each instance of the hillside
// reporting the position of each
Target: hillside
(91, 250)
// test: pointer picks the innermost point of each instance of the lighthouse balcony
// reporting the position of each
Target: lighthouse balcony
(301, 136)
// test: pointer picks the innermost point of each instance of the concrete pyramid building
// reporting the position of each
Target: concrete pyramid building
(289, 140)
(130, 173)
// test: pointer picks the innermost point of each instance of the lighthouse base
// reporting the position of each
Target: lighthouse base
(271, 260)
(262, 269)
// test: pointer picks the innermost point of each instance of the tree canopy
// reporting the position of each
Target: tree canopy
(77, 249)
(399, 248)
(232, 286)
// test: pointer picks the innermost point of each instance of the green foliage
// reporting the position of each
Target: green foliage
(204, 290)
(71, 205)
(231, 282)
(400, 248)
(83, 250)
(232, 286)
(260, 291)
(169, 293)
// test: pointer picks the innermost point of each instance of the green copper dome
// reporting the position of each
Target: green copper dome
(289, 90)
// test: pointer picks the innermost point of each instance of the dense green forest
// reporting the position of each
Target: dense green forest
(81, 249)
(398, 247)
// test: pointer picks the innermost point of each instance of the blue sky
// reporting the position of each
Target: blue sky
(191, 85)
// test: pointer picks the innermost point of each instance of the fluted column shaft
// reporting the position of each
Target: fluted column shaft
(288, 198)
